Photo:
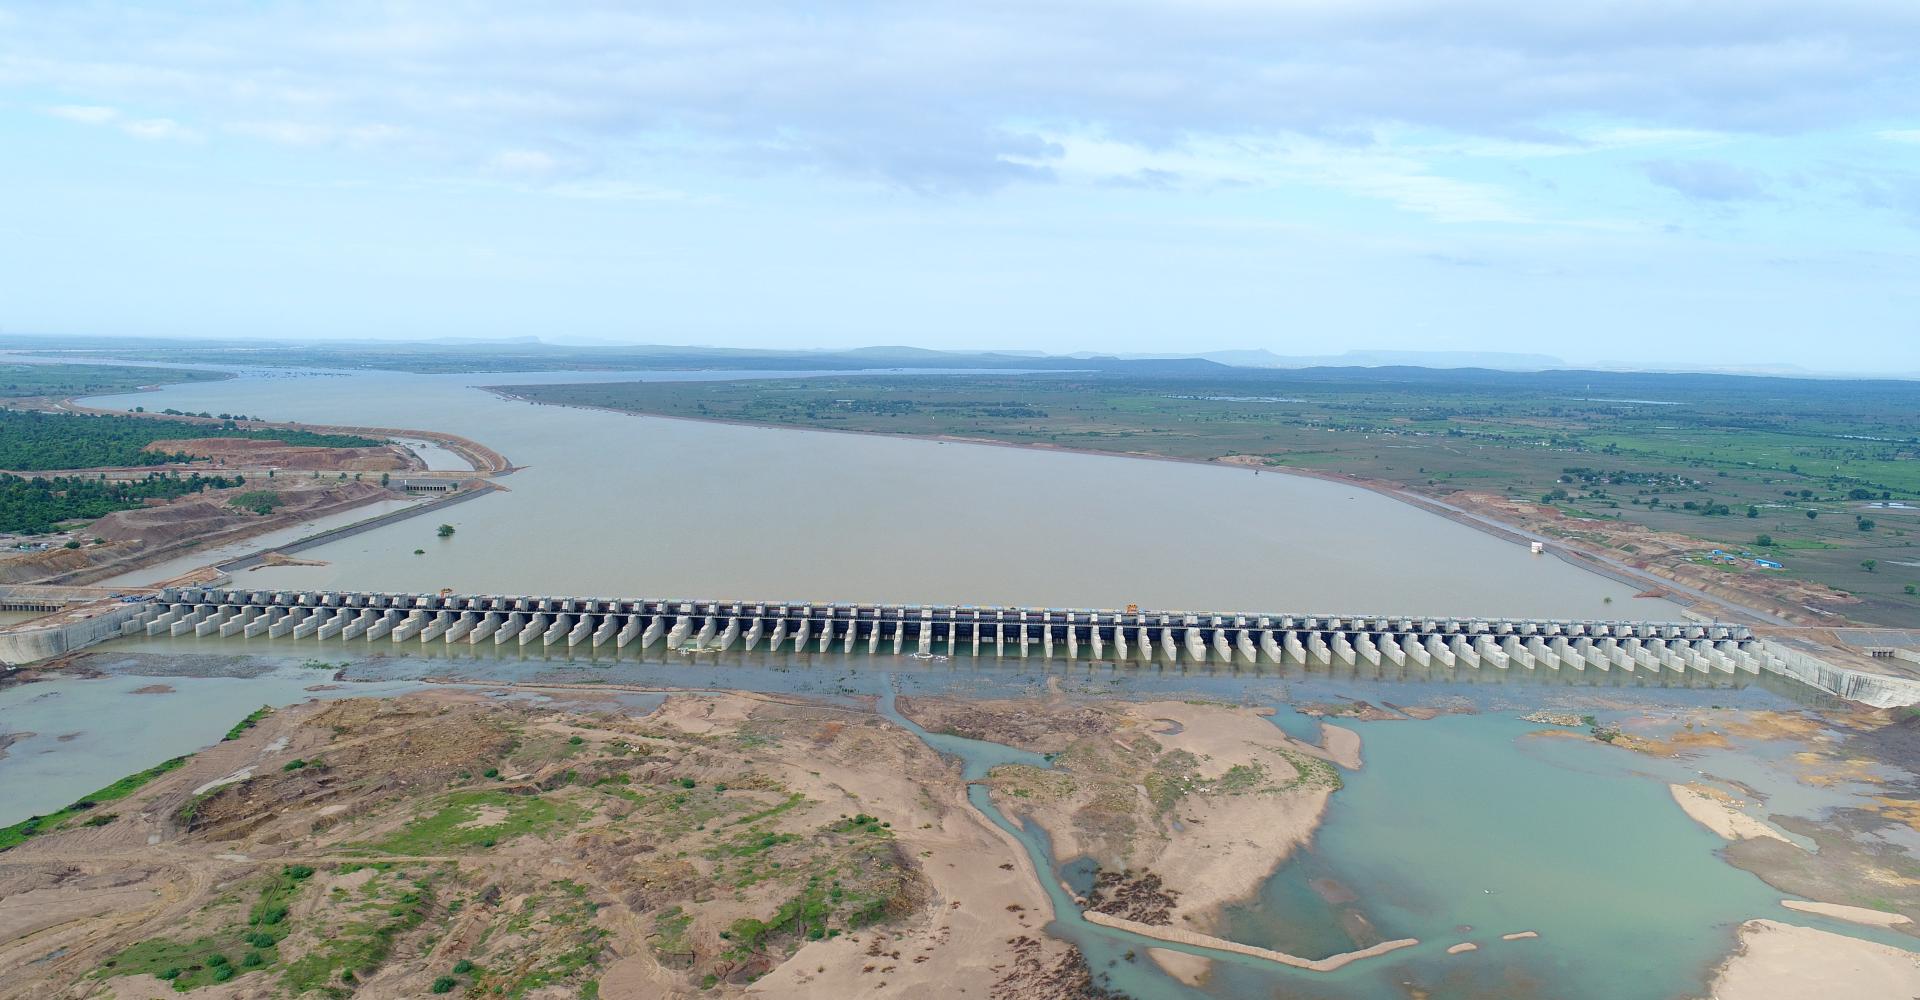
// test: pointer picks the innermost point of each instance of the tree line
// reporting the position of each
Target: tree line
(38, 505)
(40, 442)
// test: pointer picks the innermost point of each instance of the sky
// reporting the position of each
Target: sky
(1646, 182)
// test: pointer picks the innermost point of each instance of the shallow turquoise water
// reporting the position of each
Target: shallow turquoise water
(1465, 828)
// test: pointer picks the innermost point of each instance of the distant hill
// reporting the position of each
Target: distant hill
(1495, 360)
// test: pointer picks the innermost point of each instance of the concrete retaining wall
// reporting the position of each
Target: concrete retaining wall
(1878, 690)
(30, 644)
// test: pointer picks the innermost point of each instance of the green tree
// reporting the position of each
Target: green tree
(1764, 541)
(1869, 564)
(1812, 514)
(1753, 511)
(446, 531)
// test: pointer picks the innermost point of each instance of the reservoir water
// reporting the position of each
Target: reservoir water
(612, 504)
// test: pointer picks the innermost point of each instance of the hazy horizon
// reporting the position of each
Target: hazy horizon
(1728, 184)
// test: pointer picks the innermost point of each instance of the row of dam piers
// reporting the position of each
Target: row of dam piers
(1367, 643)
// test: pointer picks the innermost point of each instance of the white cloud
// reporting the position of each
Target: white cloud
(1909, 135)
(301, 133)
(926, 94)
(139, 128)
(157, 128)
(1368, 172)
(85, 114)
(524, 163)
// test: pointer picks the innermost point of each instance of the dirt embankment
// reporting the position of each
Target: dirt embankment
(1184, 807)
(720, 845)
(1662, 554)
(484, 460)
(228, 453)
(148, 534)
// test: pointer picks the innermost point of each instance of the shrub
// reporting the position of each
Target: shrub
(446, 531)
(462, 967)
(444, 984)
(294, 765)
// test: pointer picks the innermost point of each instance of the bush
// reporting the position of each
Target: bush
(446, 531)
(1764, 541)
(462, 967)
(445, 984)
(253, 960)
(73, 543)
(294, 765)
(1911, 589)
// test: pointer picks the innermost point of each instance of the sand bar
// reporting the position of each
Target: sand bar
(1856, 914)
(1713, 811)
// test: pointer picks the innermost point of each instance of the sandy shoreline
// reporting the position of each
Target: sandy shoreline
(1779, 961)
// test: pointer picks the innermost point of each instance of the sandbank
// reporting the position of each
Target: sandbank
(1856, 914)
(1189, 969)
(1713, 810)
(1779, 961)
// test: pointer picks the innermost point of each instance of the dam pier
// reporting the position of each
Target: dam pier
(1370, 646)
(1315, 640)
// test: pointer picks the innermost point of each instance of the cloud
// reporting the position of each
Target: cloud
(85, 114)
(139, 128)
(1909, 135)
(157, 128)
(305, 133)
(944, 96)
(1707, 180)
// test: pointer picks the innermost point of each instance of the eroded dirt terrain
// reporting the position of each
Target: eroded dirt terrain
(453, 841)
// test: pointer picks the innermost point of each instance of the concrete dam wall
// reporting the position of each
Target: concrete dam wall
(1312, 641)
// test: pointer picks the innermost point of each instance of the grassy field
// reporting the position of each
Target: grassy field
(1723, 459)
(21, 381)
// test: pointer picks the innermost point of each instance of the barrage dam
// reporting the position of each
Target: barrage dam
(1382, 646)
(1168, 636)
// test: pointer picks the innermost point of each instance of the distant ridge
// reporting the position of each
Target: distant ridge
(1495, 360)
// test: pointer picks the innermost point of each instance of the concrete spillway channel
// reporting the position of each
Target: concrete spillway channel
(1366, 646)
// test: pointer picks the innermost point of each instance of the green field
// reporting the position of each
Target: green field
(60, 381)
(1724, 459)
